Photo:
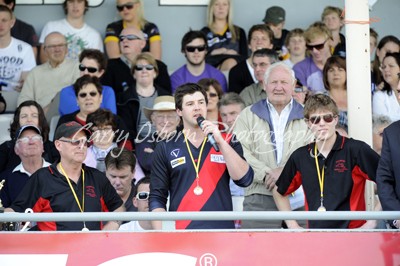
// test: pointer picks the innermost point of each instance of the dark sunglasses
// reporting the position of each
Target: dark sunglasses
(128, 6)
(212, 95)
(129, 37)
(143, 195)
(141, 67)
(89, 69)
(75, 142)
(191, 49)
(316, 119)
(84, 94)
(316, 46)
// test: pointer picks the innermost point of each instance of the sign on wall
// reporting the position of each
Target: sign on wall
(184, 2)
(52, 2)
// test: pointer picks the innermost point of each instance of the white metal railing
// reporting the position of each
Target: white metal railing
(172, 216)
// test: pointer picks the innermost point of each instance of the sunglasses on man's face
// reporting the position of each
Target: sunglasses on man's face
(144, 195)
(316, 46)
(76, 142)
(129, 37)
(89, 69)
(317, 119)
(128, 6)
(84, 94)
(191, 49)
(141, 67)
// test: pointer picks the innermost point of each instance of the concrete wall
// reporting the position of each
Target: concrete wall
(174, 21)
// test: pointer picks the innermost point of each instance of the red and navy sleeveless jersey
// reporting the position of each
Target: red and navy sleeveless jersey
(173, 174)
(347, 167)
(47, 190)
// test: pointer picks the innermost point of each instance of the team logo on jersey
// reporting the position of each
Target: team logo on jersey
(175, 152)
(178, 161)
(217, 158)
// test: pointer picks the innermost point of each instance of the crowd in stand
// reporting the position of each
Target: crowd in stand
(262, 116)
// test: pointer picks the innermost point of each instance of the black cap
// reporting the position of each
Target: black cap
(69, 129)
(23, 128)
(274, 15)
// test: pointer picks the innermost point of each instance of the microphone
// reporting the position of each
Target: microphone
(210, 137)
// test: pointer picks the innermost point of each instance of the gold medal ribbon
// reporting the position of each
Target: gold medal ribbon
(81, 207)
(321, 176)
(196, 167)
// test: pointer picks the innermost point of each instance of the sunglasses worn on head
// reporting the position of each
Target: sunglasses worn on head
(75, 142)
(144, 195)
(317, 119)
(128, 6)
(84, 94)
(129, 37)
(316, 46)
(89, 69)
(141, 67)
(191, 49)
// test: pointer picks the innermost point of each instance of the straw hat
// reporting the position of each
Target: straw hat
(161, 103)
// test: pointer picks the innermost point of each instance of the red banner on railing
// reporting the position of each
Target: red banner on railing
(200, 248)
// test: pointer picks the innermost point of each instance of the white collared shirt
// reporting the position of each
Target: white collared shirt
(279, 122)
(21, 168)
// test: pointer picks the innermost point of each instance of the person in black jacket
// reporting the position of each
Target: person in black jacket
(140, 95)
(27, 113)
(118, 73)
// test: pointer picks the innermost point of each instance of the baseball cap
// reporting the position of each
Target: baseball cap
(23, 128)
(69, 129)
(161, 103)
(274, 15)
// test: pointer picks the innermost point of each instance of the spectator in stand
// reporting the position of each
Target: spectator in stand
(141, 202)
(22, 30)
(194, 47)
(230, 105)
(27, 113)
(88, 91)
(132, 14)
(119, 70)
(16, 57)
(142, 94)
(373, 43)
(92, 63)
(214, 93)
(319, 44)
(388, 173)
(121, 171)
(388, 44)
(270, 130)
(3, 104)
(79, 35)
(296, 45)
(332, 18)
(379, 123)
(242, 75)
(275, 20)
(64, 186)
(261, 60)
(333, 170)
(226, 42)
(165, 119)
(46, 80)
(386, 101)
(105, 137)
(29, 148)
(334, 76)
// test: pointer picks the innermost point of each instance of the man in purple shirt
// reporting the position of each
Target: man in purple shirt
(194, 47)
